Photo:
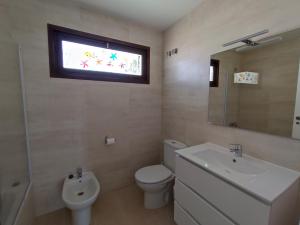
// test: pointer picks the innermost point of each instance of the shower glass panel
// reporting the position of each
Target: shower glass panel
(14, 174)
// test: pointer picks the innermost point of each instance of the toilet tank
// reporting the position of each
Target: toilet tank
(170, 146)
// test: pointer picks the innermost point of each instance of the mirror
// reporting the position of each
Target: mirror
(257, 87)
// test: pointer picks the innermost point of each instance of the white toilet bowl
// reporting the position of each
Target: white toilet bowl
(156, 181)
(79, 194)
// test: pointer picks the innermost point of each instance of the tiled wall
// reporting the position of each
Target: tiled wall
(185, 85)
(186, 75)
(68, 119)
(26, 212)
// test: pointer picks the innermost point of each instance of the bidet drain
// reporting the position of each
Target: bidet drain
(80, 193)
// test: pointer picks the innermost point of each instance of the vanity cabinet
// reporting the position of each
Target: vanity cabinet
(182, 217)
(201, 210)
(203, 198)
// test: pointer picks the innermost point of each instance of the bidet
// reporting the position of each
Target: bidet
(79, 193)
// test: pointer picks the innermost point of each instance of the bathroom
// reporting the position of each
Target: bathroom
(55, 129)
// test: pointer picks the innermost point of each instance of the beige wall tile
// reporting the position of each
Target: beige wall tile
(68, 119)
(26, 213)
(201, 34)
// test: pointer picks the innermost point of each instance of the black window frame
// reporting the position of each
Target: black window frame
(215, 64)
(55, 36)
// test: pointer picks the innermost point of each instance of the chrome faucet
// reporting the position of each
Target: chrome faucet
(237, 149)
(79, 172)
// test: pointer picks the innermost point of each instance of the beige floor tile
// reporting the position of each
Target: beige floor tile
(60, 217)
(119, 207)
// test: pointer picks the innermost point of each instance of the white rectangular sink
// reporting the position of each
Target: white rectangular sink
(262, 179)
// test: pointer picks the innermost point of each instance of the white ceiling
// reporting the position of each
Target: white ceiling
(159, 14)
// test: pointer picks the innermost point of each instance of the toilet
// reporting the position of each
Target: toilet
(157, 180)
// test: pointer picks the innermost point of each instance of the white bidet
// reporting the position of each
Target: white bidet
(79, 194)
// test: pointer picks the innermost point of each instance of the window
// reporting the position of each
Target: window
(77, 55)
(214, 73)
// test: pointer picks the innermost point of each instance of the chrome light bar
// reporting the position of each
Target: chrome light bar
(246, 38)
(261, 43)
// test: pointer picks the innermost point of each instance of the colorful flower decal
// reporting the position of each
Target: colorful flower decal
(113, 56)
(79, 56)
(88, 54)
(99, 62)
(84, 64)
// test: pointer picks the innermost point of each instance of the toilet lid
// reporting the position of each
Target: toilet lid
(153, 174)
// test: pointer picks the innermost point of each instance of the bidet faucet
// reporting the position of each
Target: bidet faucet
(237, 149)
(79, 172)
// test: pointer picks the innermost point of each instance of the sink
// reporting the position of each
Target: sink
(260, 178)
(79, 194)
(229, 163)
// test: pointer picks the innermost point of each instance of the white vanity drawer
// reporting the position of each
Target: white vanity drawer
(242, 208)
(181, 217)
(202, 211)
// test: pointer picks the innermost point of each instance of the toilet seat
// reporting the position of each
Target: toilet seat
(153, 174)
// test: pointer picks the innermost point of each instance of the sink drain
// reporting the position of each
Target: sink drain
(80, 193)
(227, 171)
(15, 184)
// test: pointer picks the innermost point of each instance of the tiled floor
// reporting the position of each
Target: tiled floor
(120, 207)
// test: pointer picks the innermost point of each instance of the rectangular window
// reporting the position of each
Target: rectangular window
(77, 55)
(214, 73)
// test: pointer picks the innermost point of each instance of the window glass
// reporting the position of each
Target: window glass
(78, 55)
(214, 73)
(211, 73)
(85, 57)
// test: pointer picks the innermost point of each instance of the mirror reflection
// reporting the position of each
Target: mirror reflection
(257, 87)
